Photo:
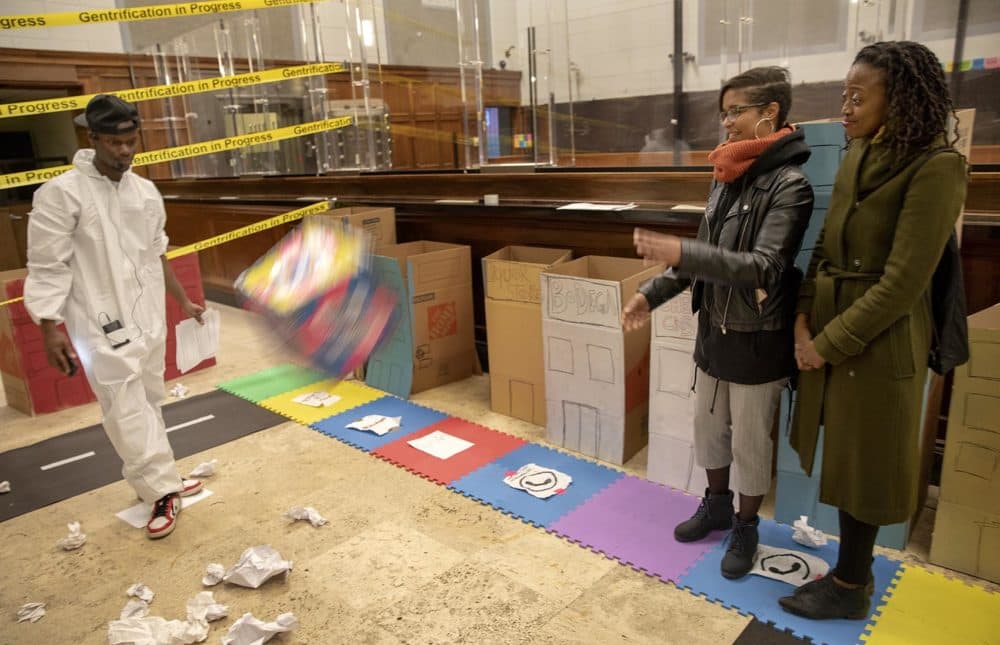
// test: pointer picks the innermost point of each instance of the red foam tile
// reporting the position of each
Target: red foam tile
(487, 446)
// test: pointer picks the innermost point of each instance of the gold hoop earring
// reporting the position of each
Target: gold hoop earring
(756, 125)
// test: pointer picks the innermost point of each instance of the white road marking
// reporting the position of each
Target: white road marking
(207, 417)
(68, 460)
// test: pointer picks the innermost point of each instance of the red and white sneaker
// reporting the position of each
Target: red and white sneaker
(191, 487)
(164, 517)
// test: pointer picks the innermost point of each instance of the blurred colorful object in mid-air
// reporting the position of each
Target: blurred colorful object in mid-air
(316, 291)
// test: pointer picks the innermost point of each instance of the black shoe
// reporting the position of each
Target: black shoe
(715, 513)
(742, 551)
(824, 599)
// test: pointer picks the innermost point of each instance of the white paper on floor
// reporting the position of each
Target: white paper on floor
(807, 535)
(376, 423)
(156, 630)
(204, 469)
(203, 607)
(178, 391)
(74, 540)
(31, 612)
(213, 575)
(138, 515)
(538, 480)
(4, 486)
(134, 608)
(316, 399)
(249, 630)
(788, 565)
(140, 591)
(196, 342)
(306, 513)
(440, 444)
(257, 565)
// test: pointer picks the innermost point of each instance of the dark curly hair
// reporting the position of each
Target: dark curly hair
(916, 91)
(764, 85)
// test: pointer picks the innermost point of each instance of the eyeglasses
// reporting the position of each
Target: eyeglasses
(736, 110)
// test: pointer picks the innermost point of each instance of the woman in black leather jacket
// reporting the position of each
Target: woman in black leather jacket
(744, 286)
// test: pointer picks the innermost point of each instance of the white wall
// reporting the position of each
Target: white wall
(98, 37)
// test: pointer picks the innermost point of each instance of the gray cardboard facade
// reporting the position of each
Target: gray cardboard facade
(596, 375)
(671, 399)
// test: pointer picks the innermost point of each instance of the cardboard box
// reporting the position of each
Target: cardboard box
(379, 222)
(970, 475)
(967, 539)
(434, 344)
(513, 289)
(596, 375)
(31, 385)
(671, 401)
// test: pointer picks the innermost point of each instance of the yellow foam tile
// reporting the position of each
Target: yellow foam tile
(351, 393)
(928, 607)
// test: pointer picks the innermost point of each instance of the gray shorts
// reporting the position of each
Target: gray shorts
(732, 426)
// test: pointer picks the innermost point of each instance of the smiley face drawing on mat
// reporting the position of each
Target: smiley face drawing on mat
(788, 565)
(538, 480)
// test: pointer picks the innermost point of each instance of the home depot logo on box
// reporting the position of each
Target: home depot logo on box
(442, 320)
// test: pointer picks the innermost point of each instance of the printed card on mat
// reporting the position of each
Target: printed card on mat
(788, 565)
(538, 480)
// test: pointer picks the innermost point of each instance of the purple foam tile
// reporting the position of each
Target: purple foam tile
(633, 521)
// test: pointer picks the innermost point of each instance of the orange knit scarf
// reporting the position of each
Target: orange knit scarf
(731, 160)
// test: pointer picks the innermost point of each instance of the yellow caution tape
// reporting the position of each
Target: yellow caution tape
(257, 227)
(133, 14)
(50, 106)
(42, 175)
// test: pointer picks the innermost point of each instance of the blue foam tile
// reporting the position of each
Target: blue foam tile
(758, 596)
(414, 417)
(486, 484)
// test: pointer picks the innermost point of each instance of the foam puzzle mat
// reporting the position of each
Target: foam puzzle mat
(927, 607)
(271, 382)
(413, 418)
(758, 596)
(626, 518)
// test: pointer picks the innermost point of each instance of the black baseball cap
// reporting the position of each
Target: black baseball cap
(108, 114)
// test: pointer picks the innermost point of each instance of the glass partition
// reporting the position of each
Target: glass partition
(488, 84)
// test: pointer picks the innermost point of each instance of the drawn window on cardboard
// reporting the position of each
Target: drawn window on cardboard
(602, 365)
(560, 355)
(671, 380)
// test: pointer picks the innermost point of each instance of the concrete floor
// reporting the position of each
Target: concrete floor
(402, 560)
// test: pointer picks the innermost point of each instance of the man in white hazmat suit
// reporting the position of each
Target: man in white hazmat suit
(96, 245)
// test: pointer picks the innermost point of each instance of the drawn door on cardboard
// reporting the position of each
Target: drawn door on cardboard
(390, 368)
(522, 399)
(581, 428)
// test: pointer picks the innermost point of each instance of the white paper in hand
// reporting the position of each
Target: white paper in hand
(257, 565)
(788, 565)
(196, 342)
(376, 423)
(538, 480)
(74, 540)
(440, 444)
(306, 513)
(249, 630)
(31, 612)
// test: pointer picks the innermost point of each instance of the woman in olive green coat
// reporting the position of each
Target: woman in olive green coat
(864, 326)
